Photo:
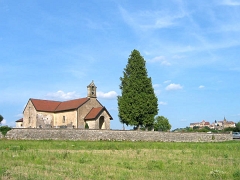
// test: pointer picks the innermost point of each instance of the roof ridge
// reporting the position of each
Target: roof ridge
(44, 100)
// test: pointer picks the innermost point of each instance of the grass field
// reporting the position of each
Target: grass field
(65, 160)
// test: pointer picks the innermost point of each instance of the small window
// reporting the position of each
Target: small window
(63, 119)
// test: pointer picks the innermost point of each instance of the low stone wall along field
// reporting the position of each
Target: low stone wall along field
(113, 135)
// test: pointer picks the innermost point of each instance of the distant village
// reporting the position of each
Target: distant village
(216, 125)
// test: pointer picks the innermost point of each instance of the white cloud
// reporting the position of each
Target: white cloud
(201, 87)
(160, 59)
(162, 103)
(173, 86)
(157, 92)
(167, 81)
(166, 63)
(230, 3)
(62, 95)
(151, 20)
(108, 95)
(3, 122)
(156, 85)
(157, 59)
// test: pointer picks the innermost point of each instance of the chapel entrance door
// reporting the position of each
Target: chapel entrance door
(101, 122)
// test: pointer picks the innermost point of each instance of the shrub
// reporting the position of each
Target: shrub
(86, 126)
(4, 130)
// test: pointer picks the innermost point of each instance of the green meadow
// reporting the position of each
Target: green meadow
(65, 160)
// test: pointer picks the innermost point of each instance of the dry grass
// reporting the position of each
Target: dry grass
(118, 160)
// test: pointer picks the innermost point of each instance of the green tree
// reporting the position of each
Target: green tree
(138, 103)
(161, 123)
(4, 130)
(238, 126)
(1, 119)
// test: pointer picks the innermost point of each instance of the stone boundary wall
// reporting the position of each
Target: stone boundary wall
(113, 135)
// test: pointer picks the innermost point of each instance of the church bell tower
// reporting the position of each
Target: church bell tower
(92, 90)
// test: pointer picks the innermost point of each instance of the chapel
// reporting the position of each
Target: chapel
(80, 113)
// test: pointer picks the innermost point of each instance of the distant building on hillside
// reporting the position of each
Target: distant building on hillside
(215, 125)
(77, 113)
(224, 124)
(200, 124)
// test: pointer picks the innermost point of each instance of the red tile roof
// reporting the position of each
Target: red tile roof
(20, 120)
(72, 104)
(45, 105)
(95, 112)
(56, 106)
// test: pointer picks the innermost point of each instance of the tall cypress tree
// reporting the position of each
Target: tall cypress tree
(138, 104)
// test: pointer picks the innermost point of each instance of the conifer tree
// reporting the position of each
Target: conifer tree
(138, 103)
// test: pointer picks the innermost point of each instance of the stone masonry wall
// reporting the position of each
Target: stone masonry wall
(112, 135)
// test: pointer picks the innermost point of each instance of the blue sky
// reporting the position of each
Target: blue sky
(54, 49)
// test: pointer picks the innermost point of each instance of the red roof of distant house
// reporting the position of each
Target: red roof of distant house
(207, 123)
(95, 112)
(54, 106)
(230, 122)
(20, 120)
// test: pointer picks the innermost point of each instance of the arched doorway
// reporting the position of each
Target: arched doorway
(101, 122)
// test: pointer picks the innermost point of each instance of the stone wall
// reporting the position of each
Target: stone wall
(113, 135)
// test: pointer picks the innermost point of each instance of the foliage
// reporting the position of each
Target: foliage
(1, 119)
(233, 129)
(138, 104)
(204, 129)
(236, 174)
(196, 127)
(161, 123)
(86, 126)
(4, 129)
(53, 159)
(228, 129)
(238, 127)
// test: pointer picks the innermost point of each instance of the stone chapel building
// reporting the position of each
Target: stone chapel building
(75, 113)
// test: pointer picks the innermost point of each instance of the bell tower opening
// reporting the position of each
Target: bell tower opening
(92, 90)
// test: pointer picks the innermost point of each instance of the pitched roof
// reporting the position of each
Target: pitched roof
(56, 106)
(72, 104)
(95, 112)
(45, 105)
(20, 120)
